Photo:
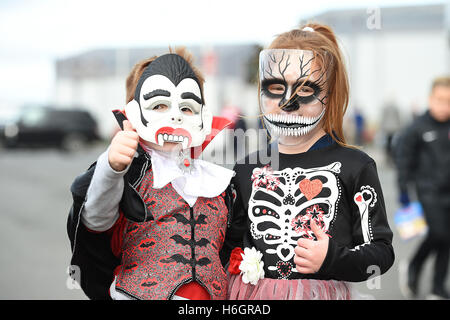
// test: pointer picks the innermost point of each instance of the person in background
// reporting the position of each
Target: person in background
(359, 127)
(422, 155)
(234, 115)
(390, 124)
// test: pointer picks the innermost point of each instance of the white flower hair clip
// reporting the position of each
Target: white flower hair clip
(309, 29)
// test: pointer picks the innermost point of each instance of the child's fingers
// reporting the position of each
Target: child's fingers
(304, 243)
(127, 126)
(304, 270)
(122, 149)
(122, 159)
(129, 138)
(303, 265)
(302, 262)
(127, 151)
(126, 138)
(301, 252)
(320, 234)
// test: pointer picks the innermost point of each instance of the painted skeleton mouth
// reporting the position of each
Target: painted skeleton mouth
(291, 125)
(175, 135)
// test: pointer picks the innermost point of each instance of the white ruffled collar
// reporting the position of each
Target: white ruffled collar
(205, 179)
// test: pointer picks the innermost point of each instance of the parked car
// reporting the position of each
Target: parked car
(8, 115)
(68, 129)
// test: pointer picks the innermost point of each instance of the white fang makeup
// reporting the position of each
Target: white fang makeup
(291, 125)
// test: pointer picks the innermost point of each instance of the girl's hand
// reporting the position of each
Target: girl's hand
(310, 254)
(123, 147)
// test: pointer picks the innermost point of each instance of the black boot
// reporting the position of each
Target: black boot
(413, 280)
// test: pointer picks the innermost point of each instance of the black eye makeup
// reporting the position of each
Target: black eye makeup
(292, 77)
(307, 91)
(274, 88)
(277, 88)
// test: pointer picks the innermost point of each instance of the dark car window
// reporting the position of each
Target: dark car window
(34, 117)
(45, 125)
(61, 118)
(72, 119)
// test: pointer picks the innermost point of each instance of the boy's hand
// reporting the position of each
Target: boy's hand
(310, 254)
(123, 147)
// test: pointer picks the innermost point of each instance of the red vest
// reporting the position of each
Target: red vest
(180, 245)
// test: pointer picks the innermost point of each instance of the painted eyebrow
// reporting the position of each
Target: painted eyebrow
(308, 83)
(155, 93)
(190, 95)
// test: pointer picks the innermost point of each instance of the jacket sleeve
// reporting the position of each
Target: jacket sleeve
(93, 261)
(372, 238)
(101, 209)
(237, 225)
(405, 153)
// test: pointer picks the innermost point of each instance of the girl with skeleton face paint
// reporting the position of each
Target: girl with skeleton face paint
(313, 219)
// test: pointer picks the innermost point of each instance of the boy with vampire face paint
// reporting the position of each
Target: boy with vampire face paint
(149, 218)
(314, 220)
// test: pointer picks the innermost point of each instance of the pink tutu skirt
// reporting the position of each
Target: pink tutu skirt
(301, 289)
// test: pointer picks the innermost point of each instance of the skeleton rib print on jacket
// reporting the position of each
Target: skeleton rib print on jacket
(280, 212)
(335, 186)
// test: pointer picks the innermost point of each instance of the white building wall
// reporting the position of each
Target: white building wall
(383, 67)
(100, 96)
(394, 67)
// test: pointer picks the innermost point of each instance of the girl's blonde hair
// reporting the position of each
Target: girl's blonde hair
(322, 42)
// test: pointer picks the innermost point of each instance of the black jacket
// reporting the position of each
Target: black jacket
(422, 155)
(323, 182)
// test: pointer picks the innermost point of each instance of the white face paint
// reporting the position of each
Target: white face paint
(171, 113)
(293, 92)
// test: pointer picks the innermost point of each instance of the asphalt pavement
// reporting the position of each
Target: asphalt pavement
(35, 201)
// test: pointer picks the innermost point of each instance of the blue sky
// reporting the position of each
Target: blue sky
(34, 33)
